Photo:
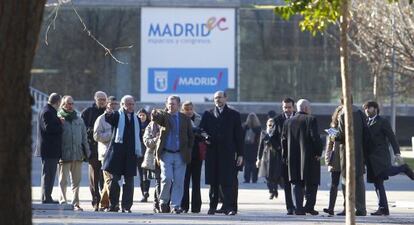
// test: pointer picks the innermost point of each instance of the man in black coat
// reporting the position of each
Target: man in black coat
(49, 145)
(121, 158)
(89, 116)
(378, 161)
(302, 150)
(224, 153)
(288, 112)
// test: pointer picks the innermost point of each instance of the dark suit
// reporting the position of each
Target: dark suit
(275, 140)
(379, 165)
(49, 148)
(301, 145)
(89, 116)
(226, 140)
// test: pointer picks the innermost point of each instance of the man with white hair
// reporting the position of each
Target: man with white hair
(302, 149)
(89, 116)
(121, 157)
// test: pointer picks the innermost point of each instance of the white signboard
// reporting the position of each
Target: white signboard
(188, 52)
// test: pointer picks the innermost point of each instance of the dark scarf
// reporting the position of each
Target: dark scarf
(68, 116)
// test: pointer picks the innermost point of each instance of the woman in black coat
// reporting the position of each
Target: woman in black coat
(269, 159)
(251, 130)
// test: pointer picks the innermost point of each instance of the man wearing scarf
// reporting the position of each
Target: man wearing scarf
(75, 149)
(121, 158)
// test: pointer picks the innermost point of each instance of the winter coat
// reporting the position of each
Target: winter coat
(89, 116)
(102, 133)
(150, 139)
(226, 144)
(301, 145)
(332, 156)
(49, 134)
(270, 159)
(74, 141)
(379, 157)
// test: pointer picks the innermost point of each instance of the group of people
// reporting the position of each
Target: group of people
(290, 149)
(169, 146)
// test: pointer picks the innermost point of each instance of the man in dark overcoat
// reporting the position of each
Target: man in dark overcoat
(121, 159)
(361, 145)
(288, 109)
(89, 116)
(49, 145)
(224, 153)
(302, 149)
(378, 161)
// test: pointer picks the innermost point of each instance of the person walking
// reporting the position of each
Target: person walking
(333, 160)
(251, 130)
(144, 174)
(75, 150)
(193, 170)
(269, 158)
(89, 116)
(173, 152)
(49, 145)
(302, 149)
(222, 126)
(121, 158)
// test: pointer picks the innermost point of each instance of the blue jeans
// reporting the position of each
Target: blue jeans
(172, 178)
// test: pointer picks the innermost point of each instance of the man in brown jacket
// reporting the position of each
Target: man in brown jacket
(173, 152)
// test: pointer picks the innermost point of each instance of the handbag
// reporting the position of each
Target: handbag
(149, 160)
(202, 150)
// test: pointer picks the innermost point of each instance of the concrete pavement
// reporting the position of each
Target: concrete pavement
(254, 206)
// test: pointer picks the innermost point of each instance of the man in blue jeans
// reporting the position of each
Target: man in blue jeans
(173, 152)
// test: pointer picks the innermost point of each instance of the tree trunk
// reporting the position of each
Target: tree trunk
(349, 130)
(20, 23)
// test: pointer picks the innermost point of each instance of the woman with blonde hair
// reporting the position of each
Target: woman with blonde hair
(251, 130)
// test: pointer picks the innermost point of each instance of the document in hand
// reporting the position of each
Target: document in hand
(332, 132)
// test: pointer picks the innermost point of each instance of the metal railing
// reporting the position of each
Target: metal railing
(40, 99)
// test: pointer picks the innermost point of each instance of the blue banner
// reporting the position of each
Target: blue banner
(187, 80)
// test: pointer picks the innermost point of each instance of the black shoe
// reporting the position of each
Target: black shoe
(211, 211)
(290, 212)
(300, 212)
(341, 213)
(144, 199)
(329, 211)
(276, 193)
(165, 208)
(271, 196)
(50, 201)
(103, 209)
(176, 211)
(126, 211)
(113, 209)
(312, 212)
(231, 213)
(381, 212)
(96, 208)
(221, 211)
(408, 171)
(360, 213)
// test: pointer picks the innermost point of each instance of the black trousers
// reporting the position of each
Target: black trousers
(287, 188)
(250, 171)
(379, 185)
(49, 167)
(144, 181)
(157, 191)
(127, 192)
(95, 180)
(271, 185)
(229, 197)
(193, 173)
(301, 190)
(333, 192)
